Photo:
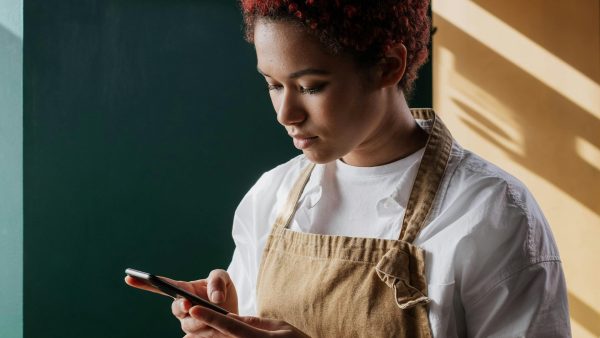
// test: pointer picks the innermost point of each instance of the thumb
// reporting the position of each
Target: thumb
(218, 282)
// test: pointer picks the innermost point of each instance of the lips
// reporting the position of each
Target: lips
(302, 141)
(301, 136)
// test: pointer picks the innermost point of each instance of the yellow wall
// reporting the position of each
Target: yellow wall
(518, 82)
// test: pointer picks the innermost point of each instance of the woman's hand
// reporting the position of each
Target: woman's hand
(232, 325)
(217, 288)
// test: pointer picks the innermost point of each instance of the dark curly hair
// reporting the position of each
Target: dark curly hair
(365, 29)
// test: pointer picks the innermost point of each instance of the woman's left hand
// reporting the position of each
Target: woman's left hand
(232, 325)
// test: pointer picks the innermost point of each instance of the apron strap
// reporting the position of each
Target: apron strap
(287, 212)
(402, 268)
(424, 190)
(429, 176)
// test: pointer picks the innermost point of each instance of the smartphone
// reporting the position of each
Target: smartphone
(172, 290)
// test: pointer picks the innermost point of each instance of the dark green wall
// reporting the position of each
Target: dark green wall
(139, 118)
(139, 121)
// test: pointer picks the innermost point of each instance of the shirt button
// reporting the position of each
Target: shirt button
(388, 204)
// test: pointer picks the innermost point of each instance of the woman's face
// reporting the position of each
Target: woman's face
(325, 102)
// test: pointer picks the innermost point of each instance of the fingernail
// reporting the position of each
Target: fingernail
(194, 312)
(217, 296)
(182, 305)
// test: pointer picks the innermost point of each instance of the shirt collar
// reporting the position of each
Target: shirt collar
(397, 196)
(313, 190)
(397, 199)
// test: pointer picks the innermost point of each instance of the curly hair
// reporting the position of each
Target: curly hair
(364, 29)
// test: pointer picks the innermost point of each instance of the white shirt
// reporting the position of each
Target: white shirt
(492, 265)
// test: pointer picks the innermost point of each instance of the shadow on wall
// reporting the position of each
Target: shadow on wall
(571, 44)
(549, 136)
(584, 314)
(554, 125)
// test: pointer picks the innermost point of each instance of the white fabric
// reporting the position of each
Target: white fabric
(492, 265)
(357, 201)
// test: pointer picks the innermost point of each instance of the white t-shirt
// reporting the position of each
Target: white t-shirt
(492, 265)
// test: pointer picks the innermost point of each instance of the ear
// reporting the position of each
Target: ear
(392, 65)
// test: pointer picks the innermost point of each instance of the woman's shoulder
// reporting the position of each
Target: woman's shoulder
(476, 178)
(283, 174)
(494, 228)
(268, 190)
(496, 202)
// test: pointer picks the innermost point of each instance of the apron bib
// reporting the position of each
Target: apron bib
(337, 286)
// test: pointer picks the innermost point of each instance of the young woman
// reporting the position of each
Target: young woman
(384, 226)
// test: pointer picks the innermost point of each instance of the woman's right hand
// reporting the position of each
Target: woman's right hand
(218, 288)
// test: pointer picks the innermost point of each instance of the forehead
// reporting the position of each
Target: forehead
(283, 47)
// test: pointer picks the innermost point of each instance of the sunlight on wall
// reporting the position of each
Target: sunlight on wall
(523, 52)
(588, 152)
(518, 86)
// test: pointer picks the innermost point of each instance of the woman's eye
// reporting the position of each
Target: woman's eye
(303, 90)
(272, 87)
(311, 90)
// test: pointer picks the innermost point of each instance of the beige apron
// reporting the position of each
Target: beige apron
(336, 286)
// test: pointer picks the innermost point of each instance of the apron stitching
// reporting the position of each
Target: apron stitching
(323, 258)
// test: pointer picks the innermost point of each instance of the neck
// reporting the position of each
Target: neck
(396, 136)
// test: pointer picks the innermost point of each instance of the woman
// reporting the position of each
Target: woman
(384, 226)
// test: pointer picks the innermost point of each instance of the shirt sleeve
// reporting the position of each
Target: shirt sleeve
(251, 226)
(243, 284)
(531, 302)
(517, 287)
(243, 267)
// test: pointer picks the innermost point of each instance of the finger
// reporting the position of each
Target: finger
(226, 324)
(197, 328)
(197, 287)
(208, 333)
(180, 307)
(218, 281)
(139, 284)
(261, 323)
(200, 287)
(187, 286)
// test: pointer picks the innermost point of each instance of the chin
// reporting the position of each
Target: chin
(319, 158)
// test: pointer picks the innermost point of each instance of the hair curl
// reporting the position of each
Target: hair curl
(365, 29)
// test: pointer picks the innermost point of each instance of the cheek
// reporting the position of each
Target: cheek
(333, 113)
(274, 101)
(359, 117)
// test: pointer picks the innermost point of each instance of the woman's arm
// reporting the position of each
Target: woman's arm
(532, 302)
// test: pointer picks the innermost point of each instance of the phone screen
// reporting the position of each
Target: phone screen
(172, 290)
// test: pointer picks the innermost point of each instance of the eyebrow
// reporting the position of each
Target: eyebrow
(300, 73)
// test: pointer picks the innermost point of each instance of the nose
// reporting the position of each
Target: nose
(290, 110)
